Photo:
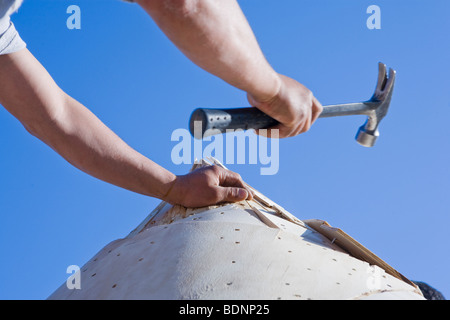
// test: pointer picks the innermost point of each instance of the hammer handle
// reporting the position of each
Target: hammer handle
(219, 120)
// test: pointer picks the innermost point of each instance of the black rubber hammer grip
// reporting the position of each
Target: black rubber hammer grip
(214, 121)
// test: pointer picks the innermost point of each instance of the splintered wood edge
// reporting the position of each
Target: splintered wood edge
(263, 200)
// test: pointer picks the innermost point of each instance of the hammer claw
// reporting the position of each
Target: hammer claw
(382, 77)
(390, 81)
(381, 83)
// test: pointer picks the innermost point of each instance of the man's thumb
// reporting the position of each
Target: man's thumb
(233, 194)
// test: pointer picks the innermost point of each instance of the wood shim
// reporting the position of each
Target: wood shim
(266, 202)
(353, 247)
(264, 217)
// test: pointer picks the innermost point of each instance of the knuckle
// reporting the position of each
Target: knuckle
(319, 107)
(306, 128)
(296, 119)
(216, 195)
(216, 169)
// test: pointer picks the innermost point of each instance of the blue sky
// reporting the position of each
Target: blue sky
(393, 198)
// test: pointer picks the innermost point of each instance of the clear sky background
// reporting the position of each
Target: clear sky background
(393, 198)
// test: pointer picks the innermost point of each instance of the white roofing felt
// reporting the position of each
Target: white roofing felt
(248, 250)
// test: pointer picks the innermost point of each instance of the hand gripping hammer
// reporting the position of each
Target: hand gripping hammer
(214, 121)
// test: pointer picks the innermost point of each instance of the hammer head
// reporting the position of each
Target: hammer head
(368, 132)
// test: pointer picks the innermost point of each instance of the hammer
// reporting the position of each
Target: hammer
(215, 121)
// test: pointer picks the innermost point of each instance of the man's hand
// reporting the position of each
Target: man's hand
(208, 186)
(294, 106)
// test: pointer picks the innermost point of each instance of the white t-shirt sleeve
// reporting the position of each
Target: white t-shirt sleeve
(10, 40)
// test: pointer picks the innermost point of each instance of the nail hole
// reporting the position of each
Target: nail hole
(115, 285)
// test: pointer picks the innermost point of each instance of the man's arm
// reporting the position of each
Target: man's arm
(216, 36)
(29, 93)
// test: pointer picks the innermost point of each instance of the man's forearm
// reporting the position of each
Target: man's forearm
(216, 36)
(84, 141)
(31, 95)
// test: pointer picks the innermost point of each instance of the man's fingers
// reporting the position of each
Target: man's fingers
(229, 178)
(232, 179)
(275, 132)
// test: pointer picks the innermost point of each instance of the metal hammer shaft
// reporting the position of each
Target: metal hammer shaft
(349, 109)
